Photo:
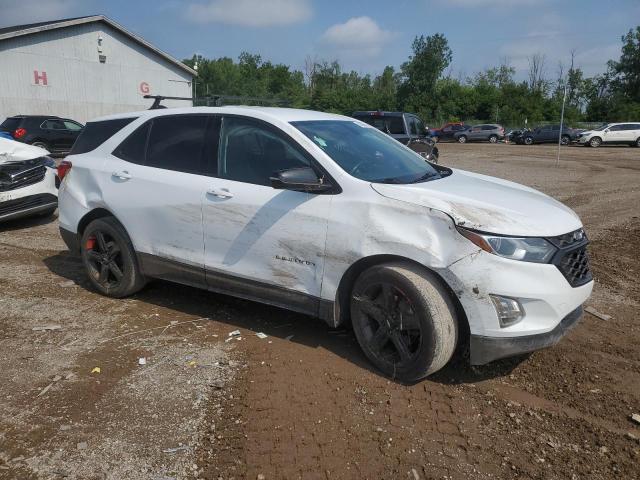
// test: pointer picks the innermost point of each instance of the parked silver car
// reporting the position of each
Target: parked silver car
(480, 133)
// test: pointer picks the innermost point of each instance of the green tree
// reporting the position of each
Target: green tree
(431, 56)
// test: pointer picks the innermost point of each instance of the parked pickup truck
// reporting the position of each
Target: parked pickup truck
(407, 128)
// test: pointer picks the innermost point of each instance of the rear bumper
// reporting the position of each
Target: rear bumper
(487, 349)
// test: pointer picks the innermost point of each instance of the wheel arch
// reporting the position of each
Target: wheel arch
(96, 213)
(342, 313)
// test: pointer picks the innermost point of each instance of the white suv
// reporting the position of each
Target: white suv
(611, 133)
(325, 215)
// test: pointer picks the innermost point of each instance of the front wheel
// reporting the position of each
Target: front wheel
(565, 140)
(404, 320)
(462, 139)
(637, 144)
(595, 142)
(110, 260)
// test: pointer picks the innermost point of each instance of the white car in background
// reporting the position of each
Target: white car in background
(611, 134)
(325, 215)
(27, 181)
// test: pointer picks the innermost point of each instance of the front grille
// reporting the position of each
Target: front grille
(25, 203)
(574, 265)
(23, 179)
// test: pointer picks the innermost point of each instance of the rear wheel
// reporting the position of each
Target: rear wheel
(595, 142)
(637, 144)
(565, 140)
(404, 320)
(41, 144)
(110, 260)
(462, 139)
(493, 139)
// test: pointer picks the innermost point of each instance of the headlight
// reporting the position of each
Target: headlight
(526, 249)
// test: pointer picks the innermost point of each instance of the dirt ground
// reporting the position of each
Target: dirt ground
(304, 402)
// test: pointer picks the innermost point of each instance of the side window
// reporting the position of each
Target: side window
(488, 127)
(53, 124)
(96, 133)
(177, 143)
(73, 126)
(252, 152)
(447, 129)
(420, 126)
(616, 128)
(133, 148)
(413, 126)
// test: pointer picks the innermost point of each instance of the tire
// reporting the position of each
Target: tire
(637, 144)
(408, 347)
(493, 139)
(41, 144)
(595, 142)
(110, 260)
(462, 139)
(528, 140)
(565, 140)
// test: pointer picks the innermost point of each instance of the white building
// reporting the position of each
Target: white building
(82, 68)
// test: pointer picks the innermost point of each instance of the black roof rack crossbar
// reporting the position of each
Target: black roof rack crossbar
(159, 98)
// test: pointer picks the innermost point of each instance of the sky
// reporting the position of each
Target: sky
(365, 35)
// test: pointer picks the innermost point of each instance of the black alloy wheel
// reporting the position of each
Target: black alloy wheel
(110, 260)
(392, 329)
(104, 259)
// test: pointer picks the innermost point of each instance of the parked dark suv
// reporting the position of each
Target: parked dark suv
(547, 134)
(407, 128)
(54, 134)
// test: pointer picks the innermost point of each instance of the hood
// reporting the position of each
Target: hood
(12, 151)
(488, 204)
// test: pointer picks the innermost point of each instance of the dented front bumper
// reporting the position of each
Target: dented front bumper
(487, 349)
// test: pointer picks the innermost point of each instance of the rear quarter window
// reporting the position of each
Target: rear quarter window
(96, 133)
(10, 124)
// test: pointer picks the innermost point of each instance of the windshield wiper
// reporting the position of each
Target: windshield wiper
(425, 177)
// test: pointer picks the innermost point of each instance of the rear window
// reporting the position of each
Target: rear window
(387, 124)
(96, 133)
(10, 124)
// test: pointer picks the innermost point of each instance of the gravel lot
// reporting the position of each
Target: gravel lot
(309, 406)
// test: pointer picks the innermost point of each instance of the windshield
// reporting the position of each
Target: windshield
(601, 127)
(366, 153)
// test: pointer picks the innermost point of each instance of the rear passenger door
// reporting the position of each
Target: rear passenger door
(156, 180)
(275, 239)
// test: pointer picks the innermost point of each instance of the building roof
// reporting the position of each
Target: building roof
(33, 28)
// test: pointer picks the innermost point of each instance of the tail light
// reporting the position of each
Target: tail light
(63, 168)
(19, 133)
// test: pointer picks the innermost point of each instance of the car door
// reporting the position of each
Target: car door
(73, 129)
(51, 131)
(272, 239)
(626, 133)
(155, 182)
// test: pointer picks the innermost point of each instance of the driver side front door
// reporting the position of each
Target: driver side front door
(261, 243)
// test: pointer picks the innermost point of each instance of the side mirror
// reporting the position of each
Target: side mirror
(606, 130)
(302, 179)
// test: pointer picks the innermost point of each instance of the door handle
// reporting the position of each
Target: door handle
(220, 192)
(122, 175)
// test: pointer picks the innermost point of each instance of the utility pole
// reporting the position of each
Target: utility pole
(564, 101)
